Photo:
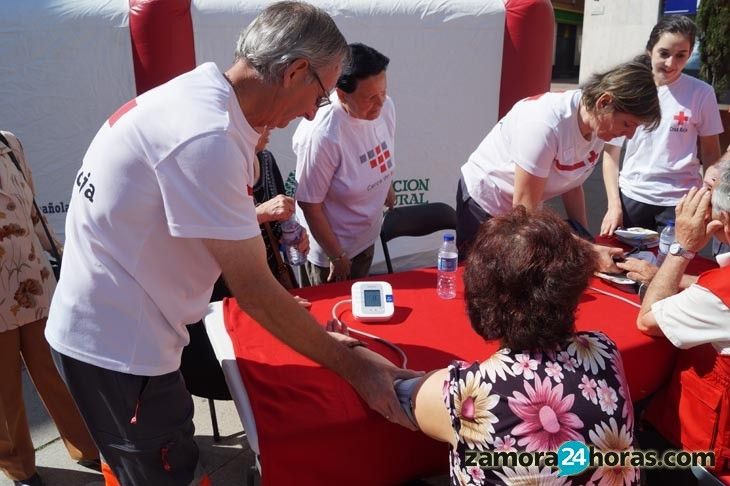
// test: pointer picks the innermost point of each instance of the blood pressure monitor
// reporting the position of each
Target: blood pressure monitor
(372, 301)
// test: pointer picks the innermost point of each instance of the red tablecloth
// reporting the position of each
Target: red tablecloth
(314, 429)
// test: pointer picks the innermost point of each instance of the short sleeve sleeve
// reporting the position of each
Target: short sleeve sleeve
(534, 148)
(692, 317)
(317, 161)
(709, 121)
(207, 190)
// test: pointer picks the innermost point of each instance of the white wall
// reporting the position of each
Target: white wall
(614, 31)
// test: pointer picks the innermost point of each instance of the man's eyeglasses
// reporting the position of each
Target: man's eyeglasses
(323, 100)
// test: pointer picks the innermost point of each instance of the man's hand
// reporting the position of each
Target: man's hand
(374, 383)
(613, 220)
(339, 269)
(279, 208)
(605, 258)
(694, 226)
(638, 270)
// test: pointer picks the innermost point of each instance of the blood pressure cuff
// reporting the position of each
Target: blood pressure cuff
(404, 390)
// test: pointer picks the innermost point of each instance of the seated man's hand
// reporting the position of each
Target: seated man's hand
(638, 270)
(694, 226)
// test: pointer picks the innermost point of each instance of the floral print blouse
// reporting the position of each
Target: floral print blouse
(26, 279)
(535, 401)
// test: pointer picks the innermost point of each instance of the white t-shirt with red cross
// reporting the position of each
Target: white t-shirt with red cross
(170, 168)
(541, 135)
(346, 164)
(660, 166)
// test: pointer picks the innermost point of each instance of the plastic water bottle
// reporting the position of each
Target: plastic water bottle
(666, 238)
(448, 259)
(291, 233)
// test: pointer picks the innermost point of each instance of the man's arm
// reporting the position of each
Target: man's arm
(692, 233)
(429, 410)
(257, 292)
(665, 284)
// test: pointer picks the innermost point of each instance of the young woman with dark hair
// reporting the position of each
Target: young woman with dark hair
(660, 166)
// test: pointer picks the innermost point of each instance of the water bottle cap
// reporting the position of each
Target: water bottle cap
(670, 223)
(449, 237)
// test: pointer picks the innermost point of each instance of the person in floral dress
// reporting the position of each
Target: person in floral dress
(547, 384)
(27, 285)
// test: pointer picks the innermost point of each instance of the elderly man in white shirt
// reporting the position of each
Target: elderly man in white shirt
(700, 313)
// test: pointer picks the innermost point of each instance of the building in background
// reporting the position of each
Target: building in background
(568, 34)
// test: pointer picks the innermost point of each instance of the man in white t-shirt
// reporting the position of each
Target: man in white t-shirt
(345, 166)
(700, 313)
(161, 205)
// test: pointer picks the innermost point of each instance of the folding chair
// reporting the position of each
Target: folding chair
(419, 220)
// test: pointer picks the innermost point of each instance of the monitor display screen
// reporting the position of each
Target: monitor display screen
(372, 298)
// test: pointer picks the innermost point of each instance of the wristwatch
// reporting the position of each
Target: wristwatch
(677, 250)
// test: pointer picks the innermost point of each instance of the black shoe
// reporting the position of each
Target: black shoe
(34, 480)
(94, 464)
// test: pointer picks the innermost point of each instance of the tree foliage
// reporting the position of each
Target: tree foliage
(713, 20)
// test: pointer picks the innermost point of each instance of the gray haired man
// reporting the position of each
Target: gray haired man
(700, 313)
(161, 205)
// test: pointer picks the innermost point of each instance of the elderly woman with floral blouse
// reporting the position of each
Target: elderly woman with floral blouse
(548, 384)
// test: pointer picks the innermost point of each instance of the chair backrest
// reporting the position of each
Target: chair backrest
(419, 220)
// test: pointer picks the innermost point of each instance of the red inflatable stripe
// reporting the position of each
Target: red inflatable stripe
(526, 57)
(162, 41)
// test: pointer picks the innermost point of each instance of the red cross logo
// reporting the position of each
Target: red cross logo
(681, 118)
(592, 157)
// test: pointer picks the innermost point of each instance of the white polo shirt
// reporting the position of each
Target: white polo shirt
(168, 169)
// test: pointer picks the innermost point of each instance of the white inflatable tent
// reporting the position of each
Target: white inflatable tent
(456, 66)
